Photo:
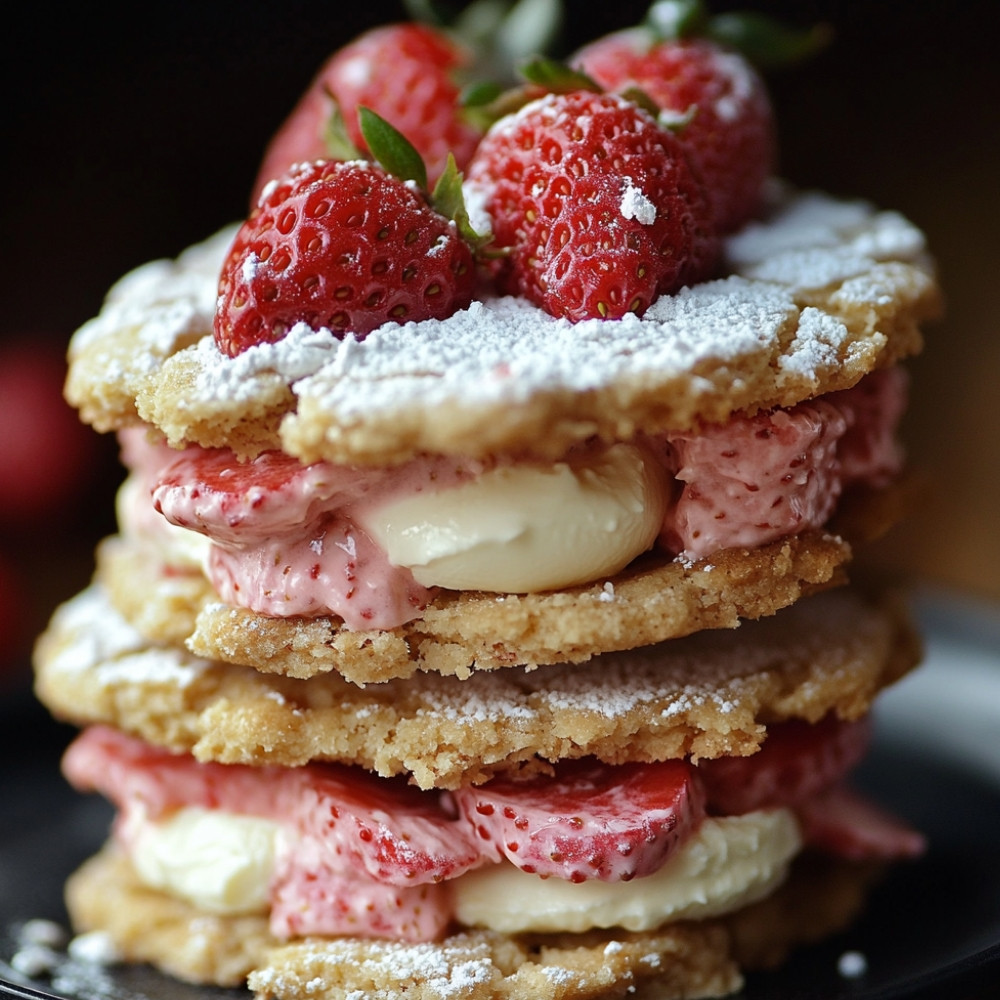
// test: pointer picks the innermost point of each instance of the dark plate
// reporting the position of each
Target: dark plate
(932, 928)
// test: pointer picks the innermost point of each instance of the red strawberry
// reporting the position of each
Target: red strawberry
(345, 246)
(797, 761)
(398, 834)
(213, 492)
(870, 451)
(408, 74)
(596, 204)
(350, 818)
(724, 113)
(309, 897)
(591, 821)
(46, 453)
(848, 825)
(755, 479)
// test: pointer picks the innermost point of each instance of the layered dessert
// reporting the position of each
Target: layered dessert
(477, 618)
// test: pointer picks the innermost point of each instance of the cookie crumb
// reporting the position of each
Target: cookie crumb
(94, 948)
(34, 961)
(42, 932)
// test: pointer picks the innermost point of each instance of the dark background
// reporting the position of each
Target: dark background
(129, 135)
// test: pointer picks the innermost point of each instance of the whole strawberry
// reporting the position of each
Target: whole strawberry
(407, 73)
(345, 246)
(724, 113)
(593, 205)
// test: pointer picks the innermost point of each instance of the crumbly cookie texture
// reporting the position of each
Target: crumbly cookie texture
(817, 295)
(707, 695)
(682, 960)
(460, 633)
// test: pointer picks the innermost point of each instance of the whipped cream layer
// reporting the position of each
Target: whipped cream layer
(370, 544)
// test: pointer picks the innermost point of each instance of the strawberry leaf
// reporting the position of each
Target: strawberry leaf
(449, 200)
(766, 42)
(391, 149)
(480, 94)
(670, 20)
(335, 138)
(762, 40)
(556, 77)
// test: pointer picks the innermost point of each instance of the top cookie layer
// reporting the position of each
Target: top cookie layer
(816, 296)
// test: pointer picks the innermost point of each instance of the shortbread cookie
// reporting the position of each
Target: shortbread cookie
(460, 633)
(819, 294)
(706, 696)
(688, 959)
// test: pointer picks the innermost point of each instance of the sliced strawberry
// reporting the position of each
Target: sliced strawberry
(129, 772)
(354, 820)
(309, 896)
(755, 479)
(844, 823)
(591, 821)
(797, 761)
(398, 834)
(232, 501)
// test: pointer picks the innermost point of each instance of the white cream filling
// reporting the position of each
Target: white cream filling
(219, 862)
(729, 863)
(222, 863)
(527, 528)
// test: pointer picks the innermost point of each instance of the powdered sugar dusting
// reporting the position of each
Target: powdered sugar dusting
(105, 645)
(519, 349)
(441, 970)
(503, 351)
(301, 352)
(635, 205)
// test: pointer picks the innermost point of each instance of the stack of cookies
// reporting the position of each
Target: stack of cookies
(478, 621)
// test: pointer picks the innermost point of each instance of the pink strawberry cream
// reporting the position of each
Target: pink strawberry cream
(352, 853)
(286, 539)
(292, 540)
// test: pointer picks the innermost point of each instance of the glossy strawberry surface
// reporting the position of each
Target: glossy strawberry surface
(594, 205)
(410, 74)
(595, 821)
(343, 246)
(722, 108)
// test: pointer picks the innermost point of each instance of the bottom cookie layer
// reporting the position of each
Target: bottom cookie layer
(687, 959)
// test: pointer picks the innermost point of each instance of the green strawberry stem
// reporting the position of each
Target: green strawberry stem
(500, 32)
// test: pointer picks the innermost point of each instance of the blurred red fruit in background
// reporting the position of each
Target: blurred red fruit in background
(45, 452)
(11, 611)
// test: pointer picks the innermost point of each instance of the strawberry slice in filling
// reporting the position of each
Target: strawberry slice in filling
(286, 540)
(362, 855)
(594, 822)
